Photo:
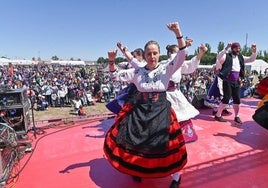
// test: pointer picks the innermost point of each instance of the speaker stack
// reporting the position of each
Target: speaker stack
(15, 106)
(198, 101)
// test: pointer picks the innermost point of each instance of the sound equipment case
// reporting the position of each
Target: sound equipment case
(15, 103)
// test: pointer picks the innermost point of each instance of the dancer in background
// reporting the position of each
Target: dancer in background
(134, 60)
(184, 110)
(215, 94)
(138, 54)
(146, 140)
(232, 71)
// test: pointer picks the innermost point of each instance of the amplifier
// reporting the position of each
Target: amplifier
(11, 97)
(15, 104)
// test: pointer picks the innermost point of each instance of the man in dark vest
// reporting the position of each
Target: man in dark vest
(232, 71)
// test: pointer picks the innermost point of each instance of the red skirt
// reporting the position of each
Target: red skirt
(147, 145)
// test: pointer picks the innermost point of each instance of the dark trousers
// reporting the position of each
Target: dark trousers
(231, 89)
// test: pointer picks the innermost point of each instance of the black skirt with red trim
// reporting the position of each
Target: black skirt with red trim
(146, 140)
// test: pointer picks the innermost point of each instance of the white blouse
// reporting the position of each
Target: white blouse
(151, 80)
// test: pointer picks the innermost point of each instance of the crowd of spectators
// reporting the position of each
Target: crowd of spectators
(76, 86)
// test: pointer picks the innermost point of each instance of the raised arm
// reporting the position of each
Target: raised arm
(132, 61)
(188, 41)
(174, 64)
(175, 28)
(125, 51)
(202, 50)
(253, 55)
(111, 56)
(189, 66)
(222, 56)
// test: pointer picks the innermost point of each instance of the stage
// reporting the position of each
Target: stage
(70, 155)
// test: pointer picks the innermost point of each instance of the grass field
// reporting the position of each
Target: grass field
(65, 112)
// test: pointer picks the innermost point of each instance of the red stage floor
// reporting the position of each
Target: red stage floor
(225, 155)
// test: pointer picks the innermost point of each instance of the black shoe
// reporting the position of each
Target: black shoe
(136, 178)
(225, 112)
(175, 184)
(220, 119)
(237, 120)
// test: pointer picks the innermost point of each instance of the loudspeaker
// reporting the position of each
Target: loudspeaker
(13, 97)
(198, 101)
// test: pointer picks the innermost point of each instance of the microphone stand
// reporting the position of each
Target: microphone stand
(32, 109)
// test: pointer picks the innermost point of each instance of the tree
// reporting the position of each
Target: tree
(208, 51)
(209, 48)
(208, 59)
(246, 51)
(163, 57)
(119, 60)
(265, 56)
(54, 58)
(101, 60)
(259, 55)
(220, 46)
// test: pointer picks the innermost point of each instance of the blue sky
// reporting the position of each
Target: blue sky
(87, 29)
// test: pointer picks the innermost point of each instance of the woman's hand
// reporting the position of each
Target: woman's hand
(203, 48)
(112, 55)
(174, 26)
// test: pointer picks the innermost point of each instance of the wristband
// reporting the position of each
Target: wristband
(182, 47)
(179, 37)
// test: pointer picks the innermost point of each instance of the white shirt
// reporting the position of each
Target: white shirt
(221, 57)
(151, 80)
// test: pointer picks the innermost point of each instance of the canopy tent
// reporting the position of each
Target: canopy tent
(257, 65)
(66, 62)
(205, 66)
(6, 61)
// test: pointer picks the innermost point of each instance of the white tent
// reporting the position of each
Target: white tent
(6, 61)
(258, 65)
(23, 62)
(68, 62)
(205, 66)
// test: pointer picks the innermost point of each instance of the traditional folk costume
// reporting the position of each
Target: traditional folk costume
(184, 110)
(261, 114)
(146, 138)
(232, 69)
(215, 94)
(116, 104)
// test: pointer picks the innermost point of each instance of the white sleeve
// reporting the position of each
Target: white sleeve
(123, 75)
(251, 58)
(135, 63)
(189, 66)
(176, 63)
(221, 58)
